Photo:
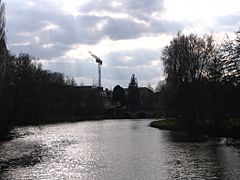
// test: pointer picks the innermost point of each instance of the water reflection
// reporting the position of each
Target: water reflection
(201, 158)
(185, 137)
(20, 155)
(25, 160)
(114, 149)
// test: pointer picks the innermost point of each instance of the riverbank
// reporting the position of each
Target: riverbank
(116, 115)
(227, 128)
(115, 149)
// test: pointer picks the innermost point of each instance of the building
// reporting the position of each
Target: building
(107, 98)
(90, 96)
(146, 97)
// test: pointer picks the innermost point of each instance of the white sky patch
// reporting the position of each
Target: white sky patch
(117, 15)
(50, 45)
(156, 63)
(139, 21)
(37, 39)
(107, 45)
(200, 16)
(199, 10)
(21, 44)
(71, 6)
(157, 15)
(100, 25)
(50, 26)
(102, 13)
(127, 58)
(30, 4)
(62, 59)
(116, 4)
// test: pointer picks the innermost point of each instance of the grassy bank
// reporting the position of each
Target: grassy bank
(227, 128)
(168, 124)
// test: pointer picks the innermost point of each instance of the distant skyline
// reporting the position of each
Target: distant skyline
(128, 35)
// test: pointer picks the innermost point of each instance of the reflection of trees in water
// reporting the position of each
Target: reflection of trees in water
(184, 137)
(203, 158)
(23, 154)
(27, 159)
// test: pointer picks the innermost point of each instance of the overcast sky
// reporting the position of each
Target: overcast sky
(127, 35)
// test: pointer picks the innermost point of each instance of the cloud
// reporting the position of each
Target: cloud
(73, 68)
(127, 34)
(42, 51)
(46, 22)
(138, 57)
(134, 8)
(123, 29)
(228, 23)
(145, 63)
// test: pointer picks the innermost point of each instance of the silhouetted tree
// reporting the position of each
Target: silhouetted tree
(31, 95)
(149, 86)
(133, 93)
(186, 62)
(3, 48)
(119, 96)
(3, 70)
(202, 80)
(230, 55)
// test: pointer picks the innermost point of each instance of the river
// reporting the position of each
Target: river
(114, 149)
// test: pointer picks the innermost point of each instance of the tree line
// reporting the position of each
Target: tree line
(202, 82)
(201, 86)
(130, 97)
(31, 95)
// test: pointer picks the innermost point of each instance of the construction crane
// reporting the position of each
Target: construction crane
(99, 62)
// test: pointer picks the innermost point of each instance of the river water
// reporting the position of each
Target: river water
(114, 149)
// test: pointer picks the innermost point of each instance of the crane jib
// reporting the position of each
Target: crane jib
(99, 61)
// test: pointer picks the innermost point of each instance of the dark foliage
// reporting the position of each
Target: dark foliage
(119, 98)
(133, 93)
(202, 81)
(32, 95)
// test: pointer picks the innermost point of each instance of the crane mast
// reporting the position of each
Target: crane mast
(99, 62)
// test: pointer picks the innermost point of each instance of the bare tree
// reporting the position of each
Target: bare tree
(3, 48)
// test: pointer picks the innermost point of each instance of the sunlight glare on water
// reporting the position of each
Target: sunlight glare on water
(113, 149)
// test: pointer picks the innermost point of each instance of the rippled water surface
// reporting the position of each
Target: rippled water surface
(114, 149)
